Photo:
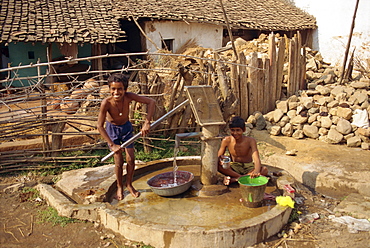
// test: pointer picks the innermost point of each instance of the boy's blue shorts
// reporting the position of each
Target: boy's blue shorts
(120, 133)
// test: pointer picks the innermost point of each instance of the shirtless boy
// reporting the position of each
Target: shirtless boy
(114, 113)
(244, 153)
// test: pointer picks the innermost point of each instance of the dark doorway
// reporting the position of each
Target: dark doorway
(131, 45)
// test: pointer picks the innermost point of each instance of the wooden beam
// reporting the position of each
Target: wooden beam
(229, 30)
(273, 67)
(280, 68)
(349, 42)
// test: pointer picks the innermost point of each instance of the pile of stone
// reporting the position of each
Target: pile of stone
(331, 112)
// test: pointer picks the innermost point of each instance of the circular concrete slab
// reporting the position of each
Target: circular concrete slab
(186, 220)
(188, 208)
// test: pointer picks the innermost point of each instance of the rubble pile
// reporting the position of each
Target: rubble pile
(328, 111)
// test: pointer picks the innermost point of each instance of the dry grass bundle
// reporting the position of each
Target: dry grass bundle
(163, 61)
(188, 44)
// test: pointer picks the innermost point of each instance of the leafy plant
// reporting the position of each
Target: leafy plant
(294, 215)
(51, 215)
(29, 194)
(142, 245)
(167, 150)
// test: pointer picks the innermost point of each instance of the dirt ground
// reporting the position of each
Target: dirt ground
(312, 233)
(22, 225)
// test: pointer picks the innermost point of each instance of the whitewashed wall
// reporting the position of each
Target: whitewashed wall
(206, 35)
(334, 20)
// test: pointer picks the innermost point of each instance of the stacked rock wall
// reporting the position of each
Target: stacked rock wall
(331, 112)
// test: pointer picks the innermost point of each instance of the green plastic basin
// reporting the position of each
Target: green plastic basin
(256, 181)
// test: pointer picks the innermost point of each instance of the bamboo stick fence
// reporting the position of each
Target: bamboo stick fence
(45, 118)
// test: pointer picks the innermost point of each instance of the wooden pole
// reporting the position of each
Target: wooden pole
(349, 42)
(57, 140)
(291, 67)
(268, 100)
(51, 68)
(234, 80)
(252, 84)
(260, 86)
(273, 69)
(100, 61)
(143, 33)
(45, 138)
(243, 87)
(229, 30)
(280, 68)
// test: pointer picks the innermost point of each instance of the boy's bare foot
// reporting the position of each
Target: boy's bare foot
(228, 180)
(119, 194)
(133, 192)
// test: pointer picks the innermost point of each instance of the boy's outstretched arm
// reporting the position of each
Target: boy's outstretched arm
(221, 152)
(256, 159)
(150, 111)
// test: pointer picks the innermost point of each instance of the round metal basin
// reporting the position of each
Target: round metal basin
(163, 184)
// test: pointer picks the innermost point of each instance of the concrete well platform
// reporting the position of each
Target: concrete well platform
(180, 221)
(335, 170)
